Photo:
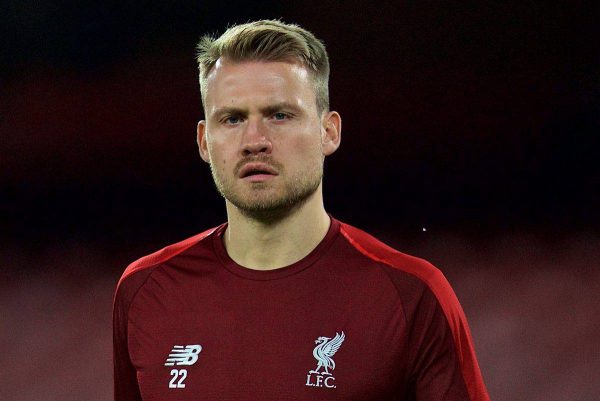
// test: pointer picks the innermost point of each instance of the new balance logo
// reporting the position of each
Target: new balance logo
(181, 355)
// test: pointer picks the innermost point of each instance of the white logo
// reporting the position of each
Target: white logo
(323, 353)
(181, 355)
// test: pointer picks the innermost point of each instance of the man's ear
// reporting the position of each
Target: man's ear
(201, 139)
(331, 132)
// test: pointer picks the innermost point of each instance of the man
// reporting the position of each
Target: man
(283, 302)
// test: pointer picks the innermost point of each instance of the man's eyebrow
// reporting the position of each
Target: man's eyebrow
(266, 110)
(228, 110)
(274, 108)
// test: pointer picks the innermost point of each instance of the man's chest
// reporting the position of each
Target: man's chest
(256, 343)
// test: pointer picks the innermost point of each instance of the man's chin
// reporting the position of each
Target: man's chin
(268, 209)
(270, 203)
(267, 216)
(263, 205)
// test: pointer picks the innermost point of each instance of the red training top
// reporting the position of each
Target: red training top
(354, 320)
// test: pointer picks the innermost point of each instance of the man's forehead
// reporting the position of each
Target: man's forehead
(272, 81)
(226, 65)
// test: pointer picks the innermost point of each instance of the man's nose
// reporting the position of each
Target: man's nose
(256, 139)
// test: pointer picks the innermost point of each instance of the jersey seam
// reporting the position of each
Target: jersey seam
(380, 262)
(131, 303)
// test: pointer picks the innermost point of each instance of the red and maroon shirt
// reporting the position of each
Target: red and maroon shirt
(354, 320)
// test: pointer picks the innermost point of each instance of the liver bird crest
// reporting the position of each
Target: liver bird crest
(325, 350)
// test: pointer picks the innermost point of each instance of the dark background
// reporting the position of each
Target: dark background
(470, 138)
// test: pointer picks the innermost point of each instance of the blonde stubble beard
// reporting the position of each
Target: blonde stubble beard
(296, 191)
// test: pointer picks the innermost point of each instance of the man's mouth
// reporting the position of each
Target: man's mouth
(256, 169)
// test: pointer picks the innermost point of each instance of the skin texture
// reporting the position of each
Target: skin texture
(262, 117)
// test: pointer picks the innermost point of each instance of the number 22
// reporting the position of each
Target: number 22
(182, 374)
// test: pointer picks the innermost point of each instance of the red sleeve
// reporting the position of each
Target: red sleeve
(443, 363)
(437, 363)
(125, 377)
(126, 386)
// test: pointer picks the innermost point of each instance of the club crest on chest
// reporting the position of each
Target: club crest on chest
(325, 349)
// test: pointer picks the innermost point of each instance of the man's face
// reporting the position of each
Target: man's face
(263, 136)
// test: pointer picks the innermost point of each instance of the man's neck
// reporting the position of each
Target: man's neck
(261, 245)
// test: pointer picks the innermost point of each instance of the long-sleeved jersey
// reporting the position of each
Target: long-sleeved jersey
(353, 320)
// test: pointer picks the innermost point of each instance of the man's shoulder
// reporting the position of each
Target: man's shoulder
(379, 251)
(399, 264)
(396, 261)
(164, 254)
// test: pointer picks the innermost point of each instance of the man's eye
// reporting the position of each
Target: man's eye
(231, 120)
(280, 116)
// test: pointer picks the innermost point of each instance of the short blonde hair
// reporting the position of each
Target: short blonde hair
(268, 40)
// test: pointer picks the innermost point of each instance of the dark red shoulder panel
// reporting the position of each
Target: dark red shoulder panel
(164, 254)
(439, 286)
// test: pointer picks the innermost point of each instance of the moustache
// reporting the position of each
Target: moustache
(268, 160)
